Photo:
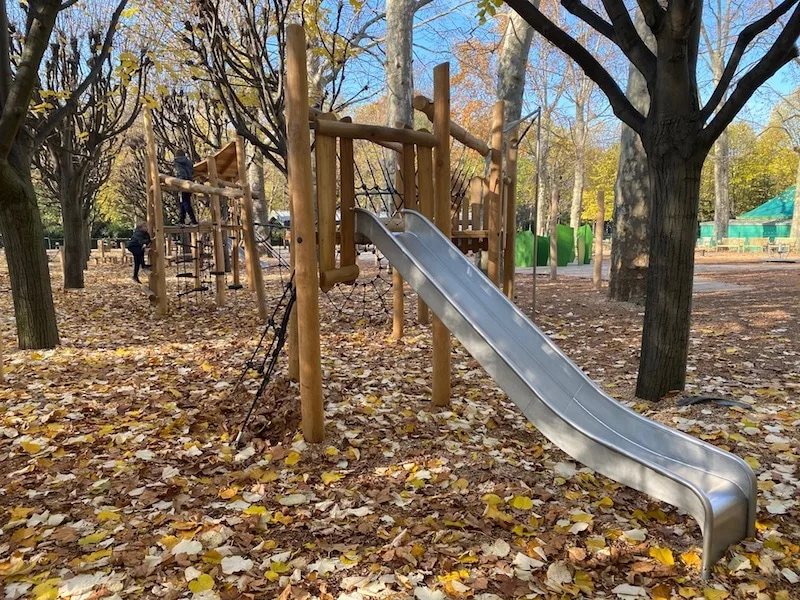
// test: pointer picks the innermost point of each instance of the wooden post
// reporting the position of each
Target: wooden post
(219, 248)
(554, 233)
(293, 370)
(102, 244)
(236, 234)
(441, 129)
(347, 191)
(398, 301)
(306, 275)
(509, 256)
(254, 275)
(158, 279)
(495, 200)
(475, 194)
(597, 273)
(426, 202)
(197, 257)
(325, 155)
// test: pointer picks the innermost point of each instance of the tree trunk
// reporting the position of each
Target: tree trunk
(256, 177)
(722, 203)
(75, 239)
(21, 226)
(675, 185)
(513, 64)
(399, 74)
(630, 242)
(542, 211)
(580, 169)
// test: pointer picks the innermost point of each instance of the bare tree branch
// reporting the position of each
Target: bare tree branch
(5, 55)
(44, 130)
(744, 40)
(593, 69)
(783, 51)
(41, 18)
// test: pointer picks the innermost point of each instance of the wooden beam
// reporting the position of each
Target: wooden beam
(599, 223)
(426, 202)
(347, 201)
(509, 249)
(328, 279)
(476, 185)
(217, 240)
(494, 201)
(398, 300)
(158, 274)
(373, 133)
(426, 107)
(306, 275)
(176, 184)
(441, 130)
(255, 277)
(325, 157)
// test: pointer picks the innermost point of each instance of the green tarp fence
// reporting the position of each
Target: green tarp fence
(523, 251)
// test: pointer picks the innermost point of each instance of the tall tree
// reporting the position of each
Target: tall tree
(630, 244)
(20, 220)
(513, 64)
(677, 134)
(76, 157)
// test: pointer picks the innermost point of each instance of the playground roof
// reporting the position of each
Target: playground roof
(777, 209)
(227, 168)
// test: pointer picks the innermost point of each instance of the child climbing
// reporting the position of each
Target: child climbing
(136, 245)
(184, 168)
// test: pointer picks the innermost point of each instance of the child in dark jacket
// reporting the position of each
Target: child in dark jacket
(184, 169)
(136, 245)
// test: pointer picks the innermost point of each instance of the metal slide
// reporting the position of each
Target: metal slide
(715, 487)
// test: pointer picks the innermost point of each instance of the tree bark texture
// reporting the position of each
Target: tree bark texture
(256, 177)
(722, 201)
(675, 185)
(579, 173)
(513, 64)
(399, 74)
(630, 242)
(21, 226)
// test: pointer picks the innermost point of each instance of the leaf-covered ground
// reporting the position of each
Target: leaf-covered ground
(119, 479)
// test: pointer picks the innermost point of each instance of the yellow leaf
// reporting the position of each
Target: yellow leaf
(662, 555)
(95, 556)
(491, 499)
(329, 477)
(202, 584)
(108, 515)
(292, 459)
(127, 14)
(661, 592)
(687, 592)
(492, 512)
(715, 594)
(606, 502)
(460, 484)
(268, 476)
(228, 493)
(255, 510)
(47, 590)
(331, 451)
(30, 447)
(752, 461)
(521, 502)
(581, 518)
(169, 541)
(94, 538)
(691, 559)
(19, 512)
(584, 582)
(212, 557)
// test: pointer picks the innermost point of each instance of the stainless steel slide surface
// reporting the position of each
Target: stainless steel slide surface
(714, 486)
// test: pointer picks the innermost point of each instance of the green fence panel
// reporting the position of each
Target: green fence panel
(523, 250)
(585, 240)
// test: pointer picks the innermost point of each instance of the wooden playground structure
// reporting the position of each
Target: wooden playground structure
(222, 180)
(486, 222)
